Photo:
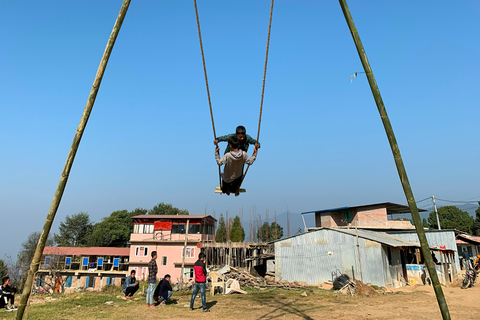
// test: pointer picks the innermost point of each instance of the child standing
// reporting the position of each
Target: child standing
(244, 139)
(234, 161)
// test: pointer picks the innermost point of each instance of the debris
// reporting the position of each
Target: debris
(232, 286)
(304, 294)
(110, 303)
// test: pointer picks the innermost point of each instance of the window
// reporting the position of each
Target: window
(143, 228)
(194, 229)
(90, 282)
(85, 262)
(164, 261)
(68, 261)
(141, 251)
(178, 228)
(47, 260)
(188, 272)
(189, 252)
(116, 262)
(100, 262)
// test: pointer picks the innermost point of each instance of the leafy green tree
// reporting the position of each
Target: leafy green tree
(221, 235)
(476, 222)
(166, 208)
(266, 232)
(114, 230)
(279, 231)
(451, 218)
(237, 233)
(25, 256)
(75, 231)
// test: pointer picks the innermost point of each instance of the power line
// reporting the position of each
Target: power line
(454, 201)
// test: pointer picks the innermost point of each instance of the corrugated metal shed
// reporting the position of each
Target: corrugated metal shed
(312, 257)
(435, 238)
(380, 237)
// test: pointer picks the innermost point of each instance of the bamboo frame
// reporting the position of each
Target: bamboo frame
(398, 161)
(70, 158)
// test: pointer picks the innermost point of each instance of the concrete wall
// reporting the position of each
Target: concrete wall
(171, 251)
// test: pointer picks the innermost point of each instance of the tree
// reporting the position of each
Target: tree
(114, 230)
(237, 233)
(75, 231)
(25, 256)
(476, 222)
(3, 269)
(221, 235)
(279, 231)
(166, 208)
(451, 218)
(266, 232)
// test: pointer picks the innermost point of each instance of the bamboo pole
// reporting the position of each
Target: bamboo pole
(398, 161)
(70, 158)
(183, 256)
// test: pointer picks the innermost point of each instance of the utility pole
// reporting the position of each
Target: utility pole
(436, 212)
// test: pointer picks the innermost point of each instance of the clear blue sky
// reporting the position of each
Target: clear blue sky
(149, 138)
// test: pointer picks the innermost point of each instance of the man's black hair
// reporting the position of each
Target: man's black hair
(5, 279)
(241, 130)
(133, 271)
(201, 255)
(167, 276)
(154, 253)
(233, 142)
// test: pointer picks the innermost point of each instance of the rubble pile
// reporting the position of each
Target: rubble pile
(247, 280)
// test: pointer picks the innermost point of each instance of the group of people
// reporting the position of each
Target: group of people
(467, 260)
(162, 292)
(7, 294)
(235, 158)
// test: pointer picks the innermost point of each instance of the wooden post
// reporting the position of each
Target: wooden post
(443, 268)
(402, 173)
(358, 250)
(70, 158)
(454, 267)
(183, 255)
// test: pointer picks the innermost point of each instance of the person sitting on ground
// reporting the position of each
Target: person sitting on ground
(242, 136)
(234, 161)
(7, 294)
(131, 285)
(164, 291)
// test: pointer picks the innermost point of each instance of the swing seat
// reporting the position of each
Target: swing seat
(219, 190)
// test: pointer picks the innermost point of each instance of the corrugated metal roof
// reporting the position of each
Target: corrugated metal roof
(380, 237)
(392, 208)
(87, 251)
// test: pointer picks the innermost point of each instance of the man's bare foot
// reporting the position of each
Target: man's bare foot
(237, 192)
(227, 193)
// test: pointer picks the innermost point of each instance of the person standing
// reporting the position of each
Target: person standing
(152, 279)
(200, 282)
(466, 259)
(130, 286)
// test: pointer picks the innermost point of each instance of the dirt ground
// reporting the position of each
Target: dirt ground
(407, 303)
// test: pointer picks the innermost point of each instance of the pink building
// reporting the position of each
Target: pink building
(372, 216)
(167, 235)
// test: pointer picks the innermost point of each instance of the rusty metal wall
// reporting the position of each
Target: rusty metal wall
(312, 257)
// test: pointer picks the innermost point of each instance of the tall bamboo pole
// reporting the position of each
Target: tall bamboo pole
(70, 158)
(398, 161)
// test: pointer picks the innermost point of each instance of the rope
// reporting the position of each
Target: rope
(263, 85)
(206, 83)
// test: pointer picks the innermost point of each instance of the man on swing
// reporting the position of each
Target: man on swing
(234, 161)
(244, 139)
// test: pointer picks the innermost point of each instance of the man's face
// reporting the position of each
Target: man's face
(133, 274)
(154, 257)
(167, 278)
(241, 137)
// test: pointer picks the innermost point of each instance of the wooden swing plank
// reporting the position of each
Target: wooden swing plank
(219, 190)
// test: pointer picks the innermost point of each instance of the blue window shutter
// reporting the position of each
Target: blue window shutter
(108, 281)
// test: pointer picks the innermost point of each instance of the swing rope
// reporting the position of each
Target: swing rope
(263, 85)
(206, 83)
